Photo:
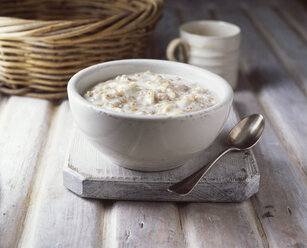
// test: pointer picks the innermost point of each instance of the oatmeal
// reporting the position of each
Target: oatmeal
(148, 93)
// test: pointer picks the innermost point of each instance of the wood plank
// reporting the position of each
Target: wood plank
(278, 36)
(272, 86)
(23, 127)
(220, 225)
(143, 224)
(90, 174)
(280, 203)
(295, 8)
(292, 22)
(66, 219)
(191, 217)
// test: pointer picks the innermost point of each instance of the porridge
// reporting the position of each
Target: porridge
(147, 93)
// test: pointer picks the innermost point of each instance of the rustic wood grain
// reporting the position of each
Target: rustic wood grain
(272, 85)
(68, 220)
(292, 22)
(295, 8)
(23, 124)
(220, 225)
(234, 178)
(278, 36)
(280, 202)
(283, 186)
(143, 224)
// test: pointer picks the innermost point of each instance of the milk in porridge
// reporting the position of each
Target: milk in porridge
(147, 93)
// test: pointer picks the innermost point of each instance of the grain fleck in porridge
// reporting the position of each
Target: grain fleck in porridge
(147, 93)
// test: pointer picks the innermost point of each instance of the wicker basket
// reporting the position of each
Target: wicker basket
(44, 42)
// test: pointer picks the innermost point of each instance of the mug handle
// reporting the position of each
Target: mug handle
(171, 48)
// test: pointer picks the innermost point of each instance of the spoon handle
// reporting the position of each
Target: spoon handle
(186, 185)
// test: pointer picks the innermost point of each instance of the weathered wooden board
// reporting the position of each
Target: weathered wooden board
(275, 89)
(143, 224)
(89, 173)
(216, 225)
(23, 124)
(280, 204)
(278, 36)
(296, 10)
(70, 220)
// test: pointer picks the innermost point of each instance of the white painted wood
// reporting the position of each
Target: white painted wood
(295, 8)
(90, 174)
(219, 225)
(281, 98)
(23, 124)
(293, 22)
(280, 204)
(143, 224)
(56, 217)
(279, 35)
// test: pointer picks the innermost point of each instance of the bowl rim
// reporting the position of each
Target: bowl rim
(74, 93)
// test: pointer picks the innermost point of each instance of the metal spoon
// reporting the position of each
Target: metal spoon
(243, 136)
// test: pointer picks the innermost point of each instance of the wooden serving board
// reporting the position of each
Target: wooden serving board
(90, 174)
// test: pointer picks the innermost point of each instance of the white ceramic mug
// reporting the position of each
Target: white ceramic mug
(212, 45)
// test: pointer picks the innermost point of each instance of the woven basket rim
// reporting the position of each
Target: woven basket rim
(152, 2)
(38, 56)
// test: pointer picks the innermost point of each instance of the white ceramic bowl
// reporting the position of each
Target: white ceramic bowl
(148, 143)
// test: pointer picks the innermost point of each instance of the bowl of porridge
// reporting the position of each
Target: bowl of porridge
(149, 115)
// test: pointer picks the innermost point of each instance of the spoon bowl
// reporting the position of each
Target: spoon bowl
(247, 132)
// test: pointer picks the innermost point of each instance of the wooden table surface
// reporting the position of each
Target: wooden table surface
(36, 210)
